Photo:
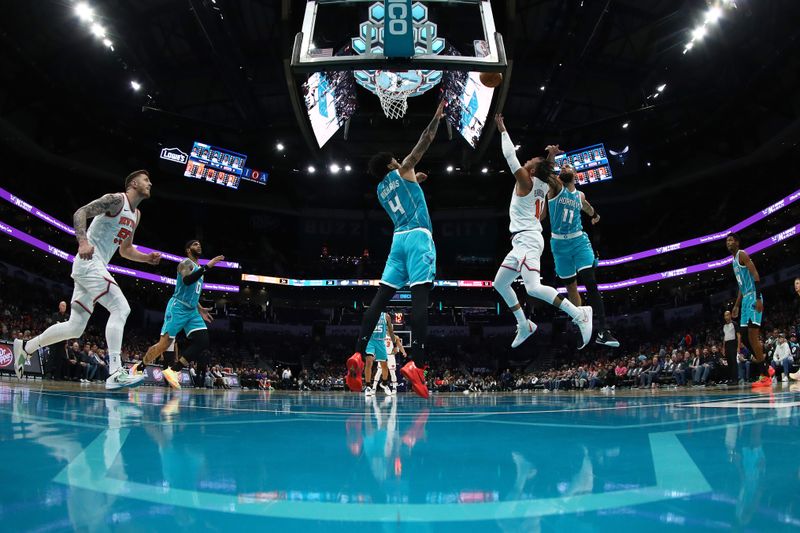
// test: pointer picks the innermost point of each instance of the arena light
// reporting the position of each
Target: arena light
(541, 88)
(135, 85)
(311, 169)
(279, 147)
(625, 125)
(97, 30)
(484, 170)
(698, 33)
(449, 168)
(334, 168)
(661, 87)
(348, 168)
(108, 44)
(84, 12)
(688, 46)
(713, 14)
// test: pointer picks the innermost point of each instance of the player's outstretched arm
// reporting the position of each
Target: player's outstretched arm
(109, 203)
(587, 208)
(407, 167)
(129, 251)
(521, 174)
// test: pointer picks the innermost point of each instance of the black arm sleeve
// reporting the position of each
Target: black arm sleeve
(188, 279)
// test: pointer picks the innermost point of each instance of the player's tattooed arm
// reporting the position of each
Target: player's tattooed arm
(425, 140)
(587, 208)
(185, 267)
(109, 203)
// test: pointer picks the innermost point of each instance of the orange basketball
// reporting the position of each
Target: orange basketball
(491, 79)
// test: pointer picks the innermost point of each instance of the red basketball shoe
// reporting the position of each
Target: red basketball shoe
(355, 366)
(416, 377)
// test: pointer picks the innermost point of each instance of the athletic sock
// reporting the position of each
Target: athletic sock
(520, 316)
(569, 308)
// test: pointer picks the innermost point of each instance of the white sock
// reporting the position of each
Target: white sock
(570, 309)
(376, 379)
(502, 284)
(394, 377)
(519, 314)
(114, 362)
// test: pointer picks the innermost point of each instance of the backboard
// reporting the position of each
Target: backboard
(434, 35)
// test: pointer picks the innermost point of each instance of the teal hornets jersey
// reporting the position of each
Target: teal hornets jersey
(381, 329)
(188, 295)
(743, 276)
(565, 212)
(405, 203)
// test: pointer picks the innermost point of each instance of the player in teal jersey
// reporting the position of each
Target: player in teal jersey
(184, 313)
(749, 306)
(412, 259)
(572, 251)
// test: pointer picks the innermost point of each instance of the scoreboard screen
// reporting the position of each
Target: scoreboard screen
(215, 165)
(591, 164)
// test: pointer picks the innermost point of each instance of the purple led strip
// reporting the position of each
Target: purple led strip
(5, 229)
(700, 267)
(749, 221)
(25, 206)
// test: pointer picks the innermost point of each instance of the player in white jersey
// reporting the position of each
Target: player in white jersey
(115, 220)
(527, 209)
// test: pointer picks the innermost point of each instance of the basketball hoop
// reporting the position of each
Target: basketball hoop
(393, 92)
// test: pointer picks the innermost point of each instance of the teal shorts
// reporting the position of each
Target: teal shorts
(179, 317)
(411, 261)
(377, 349)
(748, 313)
(572, 255)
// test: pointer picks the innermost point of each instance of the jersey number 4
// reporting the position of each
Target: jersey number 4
(396, 206)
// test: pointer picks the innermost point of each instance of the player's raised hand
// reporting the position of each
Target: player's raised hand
(154, 258)
(421, 176)
(554, 149)
(205, 312)
(216, 260)
(85, 250)
(595, 219)
(501, 125)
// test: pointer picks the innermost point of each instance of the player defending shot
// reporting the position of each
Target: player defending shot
(412, 258)
(115, 219)
(382, 348)
(526, 212)
(572, 251)
(184, 312)
(750, 306)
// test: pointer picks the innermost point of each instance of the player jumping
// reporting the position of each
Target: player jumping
(526, 212)
(382, 348)
(412, 259)
(750, 305)
(184, 312)
(572, 251)
(115, 219)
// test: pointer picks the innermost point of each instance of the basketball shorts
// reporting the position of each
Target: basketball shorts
(572, 255)
(527, 249)
(179, 317)
(92, 282)
(748, 313)
(412, 259)
(377, 348)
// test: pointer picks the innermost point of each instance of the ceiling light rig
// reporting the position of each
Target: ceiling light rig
(93, 24)
(714, 13)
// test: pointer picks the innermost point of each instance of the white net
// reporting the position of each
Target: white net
(393, 92)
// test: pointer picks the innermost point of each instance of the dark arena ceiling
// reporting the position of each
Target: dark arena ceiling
(718, 139)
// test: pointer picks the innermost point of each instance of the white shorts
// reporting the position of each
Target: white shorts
(526, 252)
(92, 282)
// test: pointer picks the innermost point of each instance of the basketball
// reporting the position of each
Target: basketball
(491, 79)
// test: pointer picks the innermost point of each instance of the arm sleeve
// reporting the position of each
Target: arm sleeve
(195, 275)
(509, 153)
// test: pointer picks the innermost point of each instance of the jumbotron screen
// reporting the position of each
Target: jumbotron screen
(591, 164)
(215, 165)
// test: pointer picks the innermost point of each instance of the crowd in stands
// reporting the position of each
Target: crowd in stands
(683, 354)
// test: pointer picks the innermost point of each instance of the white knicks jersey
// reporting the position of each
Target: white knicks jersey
(526, 211)
(106, 232)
